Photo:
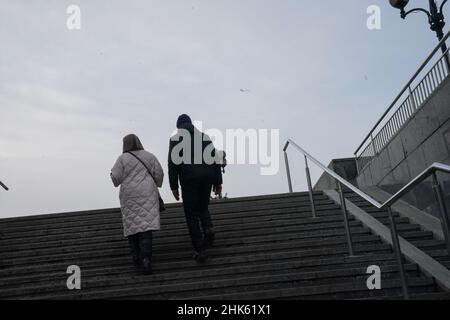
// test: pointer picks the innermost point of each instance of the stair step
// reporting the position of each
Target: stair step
(115, 288)
(267, 247)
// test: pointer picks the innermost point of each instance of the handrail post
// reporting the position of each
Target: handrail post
(311, 196)
(398, 254)
(288, 171)
(346, 223)
(443, 209)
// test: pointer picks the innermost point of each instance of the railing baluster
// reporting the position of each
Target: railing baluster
(311, 195)
(379, 140)
(408, 108)
(397, 121)
(413, 101)
(403, 116)
(388, 135)
(428, 85)
(437, 73)
(417, 99)
(438, 70)
(389, 127)
(341, 182)
(398, 254)
(373, 146)
(346, 222)
(418, 96)
(444, 67)
(426, 89)
(435, 79)
(442, 209)
(441, 70)
(422, 99)
(288, 171)
(432, 87)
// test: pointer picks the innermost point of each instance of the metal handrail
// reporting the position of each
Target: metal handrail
(3, 186)
(435, 167)
(333, 174)
(430, 171)
(406, 87)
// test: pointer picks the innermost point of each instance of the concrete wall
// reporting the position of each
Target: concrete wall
(424, 139)
(346, 168)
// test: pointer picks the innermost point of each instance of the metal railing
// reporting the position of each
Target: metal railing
(411, 99)
(3, 186)
(431, 171)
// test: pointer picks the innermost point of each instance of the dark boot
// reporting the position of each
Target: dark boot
(200, 257)
(145, 244)
(209, 238)
(136, 261)
(147, 266)
(134, 249)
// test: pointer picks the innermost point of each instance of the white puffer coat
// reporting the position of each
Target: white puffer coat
(139, 195)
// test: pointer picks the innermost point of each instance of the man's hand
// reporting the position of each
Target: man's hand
(217, 189)
(176, 194)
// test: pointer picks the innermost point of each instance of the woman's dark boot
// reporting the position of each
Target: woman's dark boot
(147, 266)
(145, 244)
(134, 249)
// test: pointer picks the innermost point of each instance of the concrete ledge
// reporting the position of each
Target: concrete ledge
(427, 264)
(426, 220)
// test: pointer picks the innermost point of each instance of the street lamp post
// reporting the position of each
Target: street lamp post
(435, 18)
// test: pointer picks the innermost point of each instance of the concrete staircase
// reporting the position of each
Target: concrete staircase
(431, 246)
(267, 247)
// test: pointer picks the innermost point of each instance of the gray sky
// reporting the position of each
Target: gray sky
(67, 98)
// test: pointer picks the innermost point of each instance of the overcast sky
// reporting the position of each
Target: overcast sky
(312, 68)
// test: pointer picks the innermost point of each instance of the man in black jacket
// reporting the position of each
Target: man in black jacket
(192, 162)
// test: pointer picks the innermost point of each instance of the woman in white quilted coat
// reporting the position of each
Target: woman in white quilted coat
(139, 197)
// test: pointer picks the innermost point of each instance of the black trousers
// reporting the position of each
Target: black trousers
(196, 195)
(141, 245)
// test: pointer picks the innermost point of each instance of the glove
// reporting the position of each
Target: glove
(176, 194)
(217, 189)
